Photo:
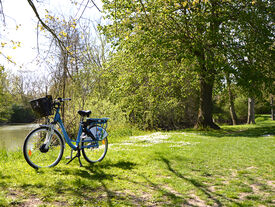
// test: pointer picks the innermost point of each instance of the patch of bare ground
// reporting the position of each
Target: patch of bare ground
(14, 194)
(256, 190)
(242, 196)
(212, 188)
(196, 201)
(271, 183)
(145, 198)
(234, 173)
(172, 191)
(252, 168)
(135, 199)
(32, 202)
(19, 199)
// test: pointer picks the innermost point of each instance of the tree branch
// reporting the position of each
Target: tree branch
(60, 43)
(143, 7)
(2, 11)
(95, 5)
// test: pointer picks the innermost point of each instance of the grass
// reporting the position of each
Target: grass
(234, 166)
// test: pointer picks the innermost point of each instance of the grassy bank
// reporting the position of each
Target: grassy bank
(231, 167)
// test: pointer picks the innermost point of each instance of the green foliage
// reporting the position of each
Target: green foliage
(263, 107)
(215, 37)
(5, 98)
(21, 114)
(14, 106)
(153, 93)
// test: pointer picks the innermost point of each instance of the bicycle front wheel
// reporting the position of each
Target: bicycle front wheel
(94, 151)
(37, 153)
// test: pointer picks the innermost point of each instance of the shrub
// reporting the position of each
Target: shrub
(21, 114)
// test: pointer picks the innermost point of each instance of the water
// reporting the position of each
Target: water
(12, 136)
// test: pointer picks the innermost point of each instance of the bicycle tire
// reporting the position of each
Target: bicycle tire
(95, 153)
(39, 157)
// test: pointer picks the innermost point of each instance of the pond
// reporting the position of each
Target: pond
(12, 136)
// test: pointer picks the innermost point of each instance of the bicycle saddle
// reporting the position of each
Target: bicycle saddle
(84, 113)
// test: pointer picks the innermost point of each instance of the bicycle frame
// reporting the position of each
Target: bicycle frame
(57, 119)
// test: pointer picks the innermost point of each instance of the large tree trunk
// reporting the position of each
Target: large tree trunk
(207, 77)
(205, 105)
(231, 101)
(251, 111)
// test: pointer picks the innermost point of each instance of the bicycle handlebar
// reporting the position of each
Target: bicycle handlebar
(57, 102)
(64, 99)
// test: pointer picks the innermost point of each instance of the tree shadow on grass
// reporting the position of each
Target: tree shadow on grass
(144, 198)
(258, 131)
(87, 185)
(127, 197)
(215, 197)
(4, 179)
(98, 173)
(99, 192)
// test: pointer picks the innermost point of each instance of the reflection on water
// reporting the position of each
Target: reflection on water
(12, 136)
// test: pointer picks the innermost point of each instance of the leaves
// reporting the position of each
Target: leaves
(159, 37)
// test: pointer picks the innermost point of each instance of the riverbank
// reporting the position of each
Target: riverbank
(12, 136)
(17, 124)
(231, 167)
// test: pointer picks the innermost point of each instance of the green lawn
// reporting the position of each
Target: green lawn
(234, 166)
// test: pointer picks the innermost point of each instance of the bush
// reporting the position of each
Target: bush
(241, 108)
(262, 107)
(21, 114)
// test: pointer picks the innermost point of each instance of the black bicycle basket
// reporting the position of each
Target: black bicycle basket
(42, 106)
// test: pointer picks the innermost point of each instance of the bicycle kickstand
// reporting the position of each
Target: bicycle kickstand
(78, 154)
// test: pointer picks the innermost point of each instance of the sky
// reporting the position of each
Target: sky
(20, 26)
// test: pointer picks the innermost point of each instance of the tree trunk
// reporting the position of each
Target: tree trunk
(251, 111)
(65, 69)
(205, 105)
(272, 110)
(207, 78)
(231, 101)
(233, 114)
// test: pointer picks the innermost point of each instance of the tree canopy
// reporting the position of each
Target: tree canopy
(218, 36)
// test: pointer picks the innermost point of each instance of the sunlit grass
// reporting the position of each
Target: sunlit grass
(231, 167)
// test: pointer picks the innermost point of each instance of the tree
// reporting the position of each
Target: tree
(210, 31)
(71, 54)
(5, 102)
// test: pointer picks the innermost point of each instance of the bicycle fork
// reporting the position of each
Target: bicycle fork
(45, 146)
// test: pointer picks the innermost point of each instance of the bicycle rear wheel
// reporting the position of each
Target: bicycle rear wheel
(96, 150)
(37, 154)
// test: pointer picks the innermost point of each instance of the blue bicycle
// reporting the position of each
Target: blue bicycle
(44, 146)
